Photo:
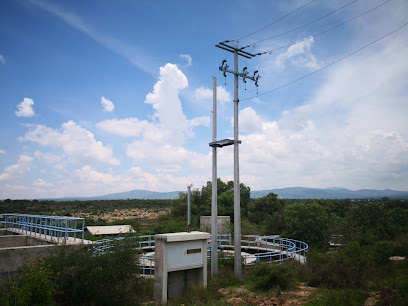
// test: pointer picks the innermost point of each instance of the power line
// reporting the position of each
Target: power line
(272, 22)
(324, 32)
(331, 64)
(302, 26)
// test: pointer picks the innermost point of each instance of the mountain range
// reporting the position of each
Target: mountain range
(286, 193)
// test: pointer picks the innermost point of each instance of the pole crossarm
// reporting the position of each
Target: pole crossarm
(244, 74)
(223, 143)
(232, 49)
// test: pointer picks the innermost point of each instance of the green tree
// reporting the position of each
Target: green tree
(267, 212)
(201, 201)
(307, 222)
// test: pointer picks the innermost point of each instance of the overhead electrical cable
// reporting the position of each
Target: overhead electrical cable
(331, 64)
(324, 32)
(302, 26)
(272, 22)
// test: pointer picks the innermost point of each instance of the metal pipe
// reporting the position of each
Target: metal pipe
(214, 213)
(189, 207)
(237, 205)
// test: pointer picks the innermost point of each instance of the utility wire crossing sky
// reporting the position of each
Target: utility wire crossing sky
(105, 97)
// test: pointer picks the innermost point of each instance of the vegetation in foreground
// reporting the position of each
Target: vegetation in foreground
(367, 235)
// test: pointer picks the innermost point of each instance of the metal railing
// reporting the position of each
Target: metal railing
(271, 249)
(52, 228)
(102, 245)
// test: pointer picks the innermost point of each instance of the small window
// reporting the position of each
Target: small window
(193, 251)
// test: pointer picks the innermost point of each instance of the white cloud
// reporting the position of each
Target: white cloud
(129, 127)
(204, 121)
(47, 157)
(352, 132)
(42, 184)
(206, 94)
(25, 108)
(78, 143)
(2, 59)
(249, 121)
(23, 165)
(299, 54)
(88, 175)
(188, 59)
(2, 151)
(107, 104)
(165, 100)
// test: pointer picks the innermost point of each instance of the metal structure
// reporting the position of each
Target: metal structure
(52, 228)
(237, 206)
(214, 188)
(102, 245)
(189, 206)
(269, 249)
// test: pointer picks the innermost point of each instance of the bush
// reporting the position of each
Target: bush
(325, 297)
(35, 286)
(307, 222)
(108, 279)
(265, 277)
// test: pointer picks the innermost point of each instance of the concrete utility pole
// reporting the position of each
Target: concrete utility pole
(214, 210)
(189, 206)
(237, 205)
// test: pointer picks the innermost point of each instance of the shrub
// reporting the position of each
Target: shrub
(108, 279)
(35, 286)
(265, 277)
(325, 297)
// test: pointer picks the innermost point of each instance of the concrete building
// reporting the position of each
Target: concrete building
(110, 230)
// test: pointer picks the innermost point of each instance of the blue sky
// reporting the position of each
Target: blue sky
(99, 97)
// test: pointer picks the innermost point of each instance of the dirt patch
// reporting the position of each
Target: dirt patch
(144, 215)
(243, 296)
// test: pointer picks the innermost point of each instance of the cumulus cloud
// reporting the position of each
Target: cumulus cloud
(128, 127)
(206, 94)
(162, 142)
(47, 157)
(2, 151)
(25, 108)
(23, 165)
(89, 175)
(107, 104)
(2, 59)
(42, 184)
(78, 143)
(158, 144)
(250, 122)
(188, 59)
(166, 102)
(299, 54)
(204, 121)
(352, 132)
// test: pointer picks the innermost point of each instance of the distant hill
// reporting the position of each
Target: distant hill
(140, 194)
(331, 193)
(133, 194)
(285, 193)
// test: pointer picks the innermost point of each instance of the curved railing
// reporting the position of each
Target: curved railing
(273, 249)
(270, 249)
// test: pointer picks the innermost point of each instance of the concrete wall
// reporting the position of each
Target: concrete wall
(16, 249)
(9, 241)
(4, 232)
(12, 259)
(223, 224)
